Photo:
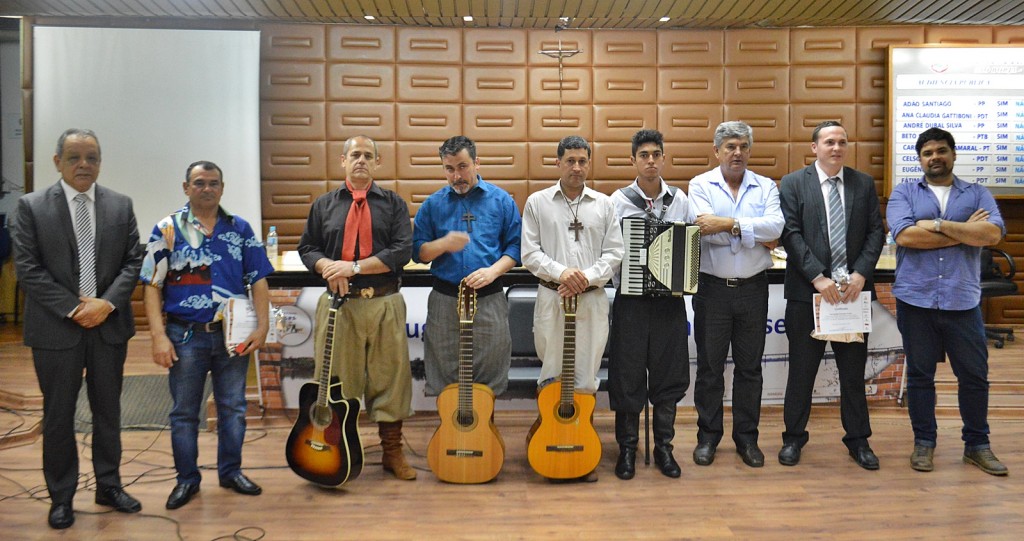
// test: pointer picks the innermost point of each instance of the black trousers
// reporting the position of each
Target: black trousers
(60, 378)
(650, 354)
(805, 354)
(729, 316)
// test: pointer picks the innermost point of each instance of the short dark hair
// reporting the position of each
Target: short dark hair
(207, 166)
(823, 125)
(643, 137)
(570, 143)
(76, 132)
(934, 134)
(457, 144)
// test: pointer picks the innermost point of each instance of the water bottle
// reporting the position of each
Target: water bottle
(271, 245)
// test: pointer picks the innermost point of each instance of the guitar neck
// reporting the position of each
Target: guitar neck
(465, 367)
(325, 359)
(569, 360)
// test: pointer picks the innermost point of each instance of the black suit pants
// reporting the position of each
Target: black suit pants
(60, 377)
(805, 354)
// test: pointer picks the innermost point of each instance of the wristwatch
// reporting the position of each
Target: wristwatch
(355, 267)
(937, 223)
(735, 228)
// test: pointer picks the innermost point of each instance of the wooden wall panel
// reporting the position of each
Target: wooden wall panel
(484, 46)
(506, 84)
(871, 84)
(691, 48)
(1009, 35)
(757, 84)
(429, 121)
(504, 122)
(420, 83)
(693, 122)
(415, 192)
(429, 45)
(823, 46)
(360, 43)
(301, 160)
(769, 123)
(770, 159)
(822, 84)
(373, 119)
(625, 48)
(503, 161)
(290, 198)
(805, 116)
(552, 123)
(575, 84)
(620, 122)
(292, 42)
(618, 85)
(286, 80)
(683, 161)
(550, 40)
(691, 85)
(296, 120)
(870, 123)
(873, 41)
(418, 160)
(612, 168)
(361, 82)
(958, 35)
(757, 47)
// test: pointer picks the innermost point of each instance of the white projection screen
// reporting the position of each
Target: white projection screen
(158, 100)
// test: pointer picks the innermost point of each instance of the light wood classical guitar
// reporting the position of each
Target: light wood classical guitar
(324, 445)
(563, 443)
(467, 447)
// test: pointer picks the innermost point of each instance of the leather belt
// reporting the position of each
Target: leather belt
(387, 288)
(452, 290)
(211, 327)
(734, 282)
(554, 286)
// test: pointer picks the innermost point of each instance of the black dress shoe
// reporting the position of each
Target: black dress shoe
(666, 462)
(865, 458)
(789, 455)
(61, 516)
(117, 498)
(242, 485)
(625, 468)
(181, 494)
(704, 454)
(751, 455)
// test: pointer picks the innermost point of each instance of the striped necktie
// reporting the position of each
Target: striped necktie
(86, 248)
(836, 226)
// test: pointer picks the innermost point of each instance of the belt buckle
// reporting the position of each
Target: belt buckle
(733, 282)
(366, 293)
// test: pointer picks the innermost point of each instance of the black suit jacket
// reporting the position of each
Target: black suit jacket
(805, 234)
(46, 260)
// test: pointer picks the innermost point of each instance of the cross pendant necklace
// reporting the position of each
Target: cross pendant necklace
(468, 218)
(576, 225)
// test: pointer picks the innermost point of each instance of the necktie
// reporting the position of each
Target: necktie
(836, 226)
(86, 248)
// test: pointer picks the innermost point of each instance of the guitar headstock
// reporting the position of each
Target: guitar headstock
(467, 302)
(336, 301)
(569, 305)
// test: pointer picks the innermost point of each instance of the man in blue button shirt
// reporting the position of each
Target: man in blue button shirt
(468, 230)
(940, 223)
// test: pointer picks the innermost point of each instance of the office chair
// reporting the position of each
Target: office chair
(996, 283)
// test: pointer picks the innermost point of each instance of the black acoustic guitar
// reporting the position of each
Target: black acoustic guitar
(324, 445)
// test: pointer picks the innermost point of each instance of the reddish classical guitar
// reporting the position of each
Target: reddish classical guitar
(324, 445)
(467, 447)
(563, 443)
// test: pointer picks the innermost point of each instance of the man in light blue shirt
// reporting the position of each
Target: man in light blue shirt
(940, 224)
(740, 219)
(468, 230)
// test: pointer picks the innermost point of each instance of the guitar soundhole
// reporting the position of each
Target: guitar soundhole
(566, 411)
(465, 420)
(320, 416)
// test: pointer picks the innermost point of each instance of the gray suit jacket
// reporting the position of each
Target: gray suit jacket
(805, 234)
(46, 260)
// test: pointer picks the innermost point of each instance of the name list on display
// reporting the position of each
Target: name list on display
(989, 133)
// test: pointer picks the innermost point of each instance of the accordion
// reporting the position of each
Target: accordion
(662, 258)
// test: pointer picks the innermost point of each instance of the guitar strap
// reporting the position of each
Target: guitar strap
(641, 204)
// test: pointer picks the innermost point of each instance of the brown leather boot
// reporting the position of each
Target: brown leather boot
(393, 459)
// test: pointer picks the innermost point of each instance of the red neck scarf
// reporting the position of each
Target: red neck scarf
(358, 226)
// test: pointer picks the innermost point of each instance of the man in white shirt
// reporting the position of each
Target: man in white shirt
(740, 219)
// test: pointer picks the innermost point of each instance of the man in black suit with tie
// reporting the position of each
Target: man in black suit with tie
(78, 260)
(820, 203)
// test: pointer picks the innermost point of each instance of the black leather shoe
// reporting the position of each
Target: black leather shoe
(625, 468)
(181, 494)
(704, 454)
(242, 485)
(61, 516)
(666, 462)
(117, 498)
(865, 458)
(751, 455)
(789, 455)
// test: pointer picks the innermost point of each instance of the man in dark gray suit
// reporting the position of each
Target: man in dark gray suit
(823, 200)
(78, 260)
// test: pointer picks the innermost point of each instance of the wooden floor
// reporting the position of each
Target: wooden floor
(826, 497)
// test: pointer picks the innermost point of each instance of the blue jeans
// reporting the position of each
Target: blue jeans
(928, 336)
(202, 353)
